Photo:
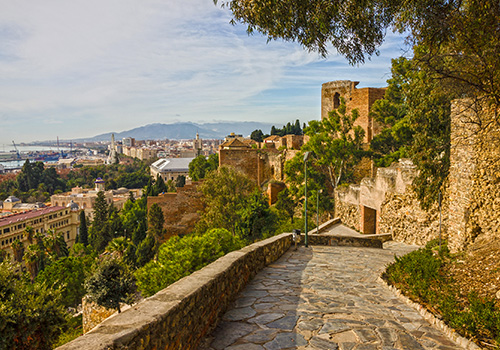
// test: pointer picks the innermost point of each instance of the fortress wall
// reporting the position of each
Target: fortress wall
(474, 180)
(180, 209)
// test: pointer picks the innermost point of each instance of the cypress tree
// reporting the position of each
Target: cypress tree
(83, 237)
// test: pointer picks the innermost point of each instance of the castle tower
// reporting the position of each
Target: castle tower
(360, 99)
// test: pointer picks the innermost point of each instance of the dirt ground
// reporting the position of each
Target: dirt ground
(479, 270)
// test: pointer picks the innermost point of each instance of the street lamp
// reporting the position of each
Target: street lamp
(317, 209)
(306, 156)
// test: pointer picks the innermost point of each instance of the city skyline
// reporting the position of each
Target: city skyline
(84, 68)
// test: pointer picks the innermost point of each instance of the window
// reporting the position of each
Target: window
(336, 100)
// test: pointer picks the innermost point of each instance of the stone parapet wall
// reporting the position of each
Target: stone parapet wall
(341, 241)
(179, 316)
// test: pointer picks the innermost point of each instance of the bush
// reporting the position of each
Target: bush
(421, 275)
(179, 257)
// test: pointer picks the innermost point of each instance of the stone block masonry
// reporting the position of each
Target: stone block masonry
(179, 316)
(474, 178)
(180, 209)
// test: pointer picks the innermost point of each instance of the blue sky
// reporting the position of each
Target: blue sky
(84, 67)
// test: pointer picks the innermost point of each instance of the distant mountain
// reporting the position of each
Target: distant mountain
(178, 131)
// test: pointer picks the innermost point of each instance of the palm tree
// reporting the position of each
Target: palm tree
(29, 234)
(32, 258)
(118, 245)
(56, 244)
(18, 249)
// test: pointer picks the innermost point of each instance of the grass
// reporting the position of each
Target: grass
(421, 276)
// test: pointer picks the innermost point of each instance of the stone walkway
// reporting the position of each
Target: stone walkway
(325, 298)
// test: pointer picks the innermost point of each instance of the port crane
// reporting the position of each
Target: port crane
(17, 151)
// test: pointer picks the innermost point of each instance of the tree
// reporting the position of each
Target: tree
(179, 257)
(159, 186)
(391, 112)
(224, 194)
(118, 245)
(29, 231)
(180, 181)
(156, 222)
(257, 219)
(336, 145)
(56, 245)
(111, 284)
(286, 204)
(257, 135)
(33, 258)
(18, 250)
(200, 166)
(31, 315)
(100, 231)
(67, 273)
(146, 250)
(83, 236)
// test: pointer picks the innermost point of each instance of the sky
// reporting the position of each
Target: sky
(79, 68)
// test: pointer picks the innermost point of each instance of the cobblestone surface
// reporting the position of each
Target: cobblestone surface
(325, 298)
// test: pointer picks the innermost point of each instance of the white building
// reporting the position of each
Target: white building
(170, 168)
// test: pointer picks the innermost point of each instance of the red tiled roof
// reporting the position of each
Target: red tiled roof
(27, 215)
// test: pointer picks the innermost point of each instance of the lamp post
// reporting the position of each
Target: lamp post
(306, 156)
(317, 209)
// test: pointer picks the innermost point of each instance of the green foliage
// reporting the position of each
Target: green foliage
(179, 257)
(201, 166)
(18, 250)
(31, 315)
(421, 275)
(72, 330)
(180, 181)
(83, 236)
(118, 245)
(429, 110)
(159, 186)
(396, 137)
(257, 135)
(288, 129)
(285, 204)
(225, 193)
(156, 221)
(146, 250)
(257, 219)
(55, 244)
(68, 274)
(111, 284)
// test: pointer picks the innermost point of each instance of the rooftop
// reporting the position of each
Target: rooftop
(172, 164)
(28, 215)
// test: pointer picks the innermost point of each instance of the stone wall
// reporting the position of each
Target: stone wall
(474, 174)
(179, 316)
(402, 216)
(347, 206)
(93, 314)
(180, 209)
(388, 203)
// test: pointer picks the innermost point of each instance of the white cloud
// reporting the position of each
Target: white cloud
(113, 65)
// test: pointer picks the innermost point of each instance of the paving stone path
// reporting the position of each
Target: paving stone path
(325, 298)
